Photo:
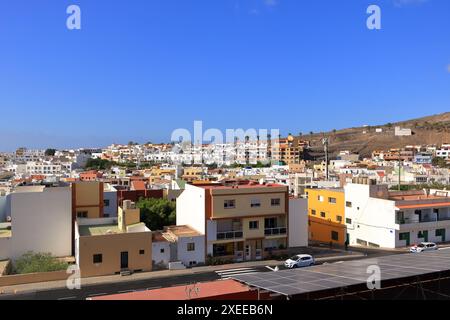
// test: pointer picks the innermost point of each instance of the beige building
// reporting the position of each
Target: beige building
(241, 222)
(110, 246)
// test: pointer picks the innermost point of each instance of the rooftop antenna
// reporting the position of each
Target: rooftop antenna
(325, 142)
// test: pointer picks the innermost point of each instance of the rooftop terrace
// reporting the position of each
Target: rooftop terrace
(98, 230)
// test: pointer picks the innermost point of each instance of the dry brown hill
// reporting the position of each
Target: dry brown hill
(426, 131)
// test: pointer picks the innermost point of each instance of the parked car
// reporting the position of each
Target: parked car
(424, 246)
(299, 261)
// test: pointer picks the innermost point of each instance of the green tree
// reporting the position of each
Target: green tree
(439, 162)
(157, 213)
(38, 262)
(50, 152)
(98, 164)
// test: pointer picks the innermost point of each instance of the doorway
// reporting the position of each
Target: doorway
(124, 260)
(248, 252)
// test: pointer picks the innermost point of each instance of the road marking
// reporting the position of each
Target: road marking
(233, 272)
(67, 298)
(238, 269)
(97, 294)
(126, 291)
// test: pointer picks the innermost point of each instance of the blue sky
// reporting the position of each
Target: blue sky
(139, 69)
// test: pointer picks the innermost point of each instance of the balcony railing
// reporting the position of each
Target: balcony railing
(229, 235)
(275, 231)
(411, 221)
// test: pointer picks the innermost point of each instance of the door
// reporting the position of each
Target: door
(443, 235)
(124, 260)
(248, 252)
(425, 236)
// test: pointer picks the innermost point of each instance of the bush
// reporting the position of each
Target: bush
(38, 262)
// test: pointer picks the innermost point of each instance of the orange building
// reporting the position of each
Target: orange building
(326, 216)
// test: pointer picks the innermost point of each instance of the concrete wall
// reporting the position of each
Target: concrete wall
(372, 219)
(41, 222)
(159, 257)
(89, 198)
(111, 210)
(187, 256)
(243, 205)
(191, 208)
(32, 278)
(298, 222)
(110, 246)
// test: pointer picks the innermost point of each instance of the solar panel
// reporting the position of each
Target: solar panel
(333, 276)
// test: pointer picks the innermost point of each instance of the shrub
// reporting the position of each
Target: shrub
(38, 262)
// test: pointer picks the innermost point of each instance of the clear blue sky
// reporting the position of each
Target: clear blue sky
(139, 69)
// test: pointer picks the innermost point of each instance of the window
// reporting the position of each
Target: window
(334, 236)
(97, 258)
(403, 236)
(161, 250)
(348, 204)
(191, 246)
(192, 263)
(253, 225)
(331, 200)
(106, 203)
(275, 202)
(323, 214)
(313, 212)
(440, 232)
(229, 204)
(339, 218)
(82, 214)
(255, 203)
(141, 252)
(270, 223)
(320, 198)
(348, 221)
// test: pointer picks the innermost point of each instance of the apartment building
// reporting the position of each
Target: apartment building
(241, 221)
(326, 216)
(41, 222)
(378, 217)
(288, 150)
(443, 151)
(106, 246)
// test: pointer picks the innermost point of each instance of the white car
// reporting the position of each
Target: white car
(299, 261)
(424, 246)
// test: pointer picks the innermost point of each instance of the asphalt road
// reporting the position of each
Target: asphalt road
(138, 285)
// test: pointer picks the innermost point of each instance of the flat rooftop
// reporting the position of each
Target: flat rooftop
(98, 230)
(206, 290)
(183, 231)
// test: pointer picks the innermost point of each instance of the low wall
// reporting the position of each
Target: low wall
(15, 279)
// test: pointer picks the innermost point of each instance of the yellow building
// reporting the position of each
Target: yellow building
(326, 215)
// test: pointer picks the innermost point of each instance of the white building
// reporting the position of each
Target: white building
(41, 222)
(378, 217)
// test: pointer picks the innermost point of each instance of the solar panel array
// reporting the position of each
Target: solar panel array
(348, 273)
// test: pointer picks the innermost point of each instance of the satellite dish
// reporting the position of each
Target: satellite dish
(8, 219)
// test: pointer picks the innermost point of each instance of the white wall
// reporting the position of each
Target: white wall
(157, 255)
(110, 210)
(373, 219)
(41, 222)
(191, 208)
(298, 222)
(186, 256)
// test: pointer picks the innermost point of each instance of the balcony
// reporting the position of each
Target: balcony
(229, 235)
(275, 231)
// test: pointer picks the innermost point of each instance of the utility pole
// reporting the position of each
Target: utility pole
(399, 171)
(325, 143)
